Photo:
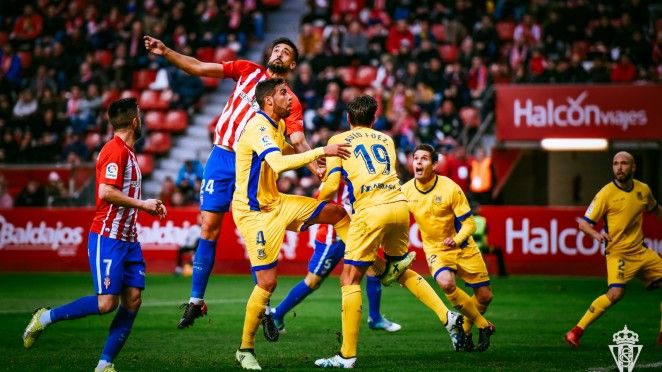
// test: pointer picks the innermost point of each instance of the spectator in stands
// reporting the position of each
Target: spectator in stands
(6, 200)
(167, 190)
(308, 40)
(27, 27)
(478, 78)
(78, 110)
(599, 72)
(26, 107)
(47, 136)
(398, 34)
(331, 107)
(55, 191)
(190, 172)
(459, 168)
(187, 88)
(624, 71)
(305, 87)
(482, 177)
(527, 31)
(448, 122)
(42, 81)
(10, 66)
(576, 71)
(32, 195)
(75, 151)
(355, 43)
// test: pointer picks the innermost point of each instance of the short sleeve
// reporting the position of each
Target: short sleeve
(461, 208)
(596, 210)
(235, 69)
(651, 203)
(111, 167)
(294, 122)
(262, 139)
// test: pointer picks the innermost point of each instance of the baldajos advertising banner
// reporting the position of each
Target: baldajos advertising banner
(614, 112)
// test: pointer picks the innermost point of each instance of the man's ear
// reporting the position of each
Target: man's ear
(293, 65)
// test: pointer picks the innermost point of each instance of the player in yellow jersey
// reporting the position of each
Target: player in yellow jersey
(380, 217)
(444, 218)
(621, 204)
(261, 213)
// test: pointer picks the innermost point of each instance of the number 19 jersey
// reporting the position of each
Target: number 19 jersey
(369, 172)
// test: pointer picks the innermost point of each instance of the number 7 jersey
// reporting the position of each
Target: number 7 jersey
(369, 172)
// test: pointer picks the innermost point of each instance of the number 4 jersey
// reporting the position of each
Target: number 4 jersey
(370, 172)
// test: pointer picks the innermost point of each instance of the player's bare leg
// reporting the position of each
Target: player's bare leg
(203, 264)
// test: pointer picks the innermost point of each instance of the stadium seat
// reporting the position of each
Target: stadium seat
(129, 93)
(365, 76)
(155, 121)
(224, 54)
(26, 59)
(470, 117)
(109, 96)
(146, 163)
(210, 83)
(104, 57)
(143, 78)
(205, 54)
(153, 100)
(176, 121)
(347, 74)
(449, 53)
(438, 32)
(158, 143)
(505, 30)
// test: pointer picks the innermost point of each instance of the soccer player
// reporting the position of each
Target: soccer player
(261, 213)
(116, 260)
(329, 250)
(219, 175)
(444, 218)
(621, 204)
(380, 217)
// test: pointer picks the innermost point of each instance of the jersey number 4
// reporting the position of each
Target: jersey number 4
(379, 153)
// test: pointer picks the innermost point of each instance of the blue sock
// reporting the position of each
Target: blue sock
(203, 263)
(79, 308)
(374, 289)
(120, 329)
(293, 298)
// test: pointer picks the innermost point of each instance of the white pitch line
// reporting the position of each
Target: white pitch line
(637, 366)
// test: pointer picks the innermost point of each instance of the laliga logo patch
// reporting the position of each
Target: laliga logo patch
(106, 282)
(111, 171)
(266, 141)
(625, 352)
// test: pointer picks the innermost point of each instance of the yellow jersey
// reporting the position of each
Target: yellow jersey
(369, 173)
(622, 213)
(259, 160)
(441, 211)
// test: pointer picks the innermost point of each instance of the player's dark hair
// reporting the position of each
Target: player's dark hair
(122, 112)
(362, 110)
(429, 149)
(266, 88)
(288, 42)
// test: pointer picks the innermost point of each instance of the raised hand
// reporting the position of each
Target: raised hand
(338, 149)
(154, 45)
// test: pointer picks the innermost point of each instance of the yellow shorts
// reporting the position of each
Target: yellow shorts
(386, 225)
(467, 263)
(263, 232)
(645, 265)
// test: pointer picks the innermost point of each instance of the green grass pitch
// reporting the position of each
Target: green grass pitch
(531, 314)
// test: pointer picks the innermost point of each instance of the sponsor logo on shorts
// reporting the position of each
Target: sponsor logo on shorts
(106, 282)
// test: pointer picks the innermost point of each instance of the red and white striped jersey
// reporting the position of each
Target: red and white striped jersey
(241, 105)
(117, 166)
(326, 233)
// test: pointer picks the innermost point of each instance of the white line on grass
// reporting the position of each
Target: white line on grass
(637, 366)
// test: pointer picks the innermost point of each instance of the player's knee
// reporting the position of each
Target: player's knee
(107, 304)
(484, 297)
(133, 303)
(209, 230)
(615, 294)
(268, 284)
(313, 281)
(447, 286)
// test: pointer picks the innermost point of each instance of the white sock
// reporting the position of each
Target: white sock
(195, 300)
(102, 364)
(45, 318)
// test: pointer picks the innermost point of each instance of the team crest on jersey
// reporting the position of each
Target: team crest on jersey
(106, 282)
(111, 171)
(262, 129)
(261, 254)
(437, 199)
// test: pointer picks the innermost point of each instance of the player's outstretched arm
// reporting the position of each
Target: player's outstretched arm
(331, 179)
(188, 64)
(113, 195)
(281, 163)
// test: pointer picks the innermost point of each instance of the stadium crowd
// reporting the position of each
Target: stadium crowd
(430, 64)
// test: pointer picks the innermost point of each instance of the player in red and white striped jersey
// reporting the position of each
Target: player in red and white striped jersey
(113, 251)
(219, 175)
(329, 250)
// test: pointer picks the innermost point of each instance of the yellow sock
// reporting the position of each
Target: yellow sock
(468, 323)
(462, 302)
(341, 228)
(597, 308)
(255, 307)
(420, 288)
(351, 319)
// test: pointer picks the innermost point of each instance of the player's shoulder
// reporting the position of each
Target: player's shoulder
(340, 137)
(640, 186)
(113, 147)
(246, 65)
(446, 182)
(408, 186)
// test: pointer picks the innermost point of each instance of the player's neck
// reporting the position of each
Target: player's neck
(127, 137)
(282, 75)
(425, 183)
(627, 185)
(271, 114)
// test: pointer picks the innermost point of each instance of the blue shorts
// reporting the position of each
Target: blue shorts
(218, 181)
(115, 264)
(326, 257)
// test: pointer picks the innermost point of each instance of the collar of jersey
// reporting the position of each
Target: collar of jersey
(620, 188)
(436, 178)
(271, 121)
